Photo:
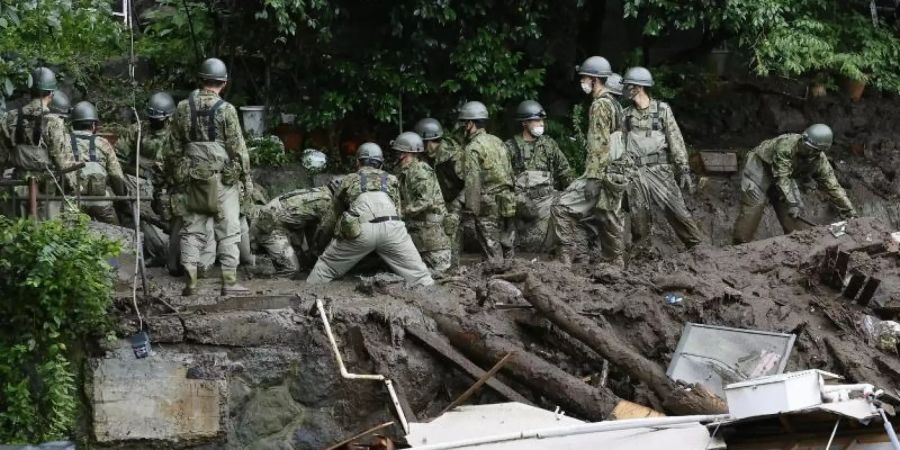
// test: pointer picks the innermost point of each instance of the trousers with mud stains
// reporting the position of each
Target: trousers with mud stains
(757, 191)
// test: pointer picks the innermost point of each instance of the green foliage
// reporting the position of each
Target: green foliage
(267, 151)
(169, 28)
(571, 136)
(77, 35)
(56, 288)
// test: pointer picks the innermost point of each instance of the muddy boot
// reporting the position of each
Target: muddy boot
(190, 282)
(230, 285)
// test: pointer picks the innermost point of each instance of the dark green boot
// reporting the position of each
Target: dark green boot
(230, 285)
(190, 282)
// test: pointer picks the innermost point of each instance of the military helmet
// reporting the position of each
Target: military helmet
(60, 104)
(614, 84)
(43, 80)
(595, 66)
(638, 76)
(530, 109)
(818, 136)
(473, 111)
(160, 106)
(84, 112)
(429, 129)
(371, 151)
(314, 160)
(408, 142)
(213, 69)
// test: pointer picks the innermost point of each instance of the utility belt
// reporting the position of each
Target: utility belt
(653, 159)
(425, 220)
(384, 219)
(350, 228)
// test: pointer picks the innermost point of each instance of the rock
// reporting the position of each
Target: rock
(502, 291)
(268, 412)
(124, 262)
(152, 399)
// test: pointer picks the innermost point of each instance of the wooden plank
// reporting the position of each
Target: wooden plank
(434, 342)
(855, 284)
(868, 291)
(475, 387)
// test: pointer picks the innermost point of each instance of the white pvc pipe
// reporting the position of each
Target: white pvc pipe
(354, 376)
(614, 425)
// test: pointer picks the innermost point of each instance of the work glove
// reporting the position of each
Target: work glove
(685, 181)
(794, 211)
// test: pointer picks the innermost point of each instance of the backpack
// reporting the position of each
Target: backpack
(29, 156)
(93, 175)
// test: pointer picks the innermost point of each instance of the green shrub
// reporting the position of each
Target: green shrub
(57, 288)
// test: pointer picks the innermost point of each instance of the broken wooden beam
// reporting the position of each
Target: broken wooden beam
(855, 284)
(478, 384)
(560, 387)
(677, 400)
(434, 342)
(868, 291)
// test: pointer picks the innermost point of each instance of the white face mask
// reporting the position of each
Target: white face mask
(587, 87)
(537, 131)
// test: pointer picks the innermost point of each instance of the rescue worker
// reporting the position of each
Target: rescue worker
(580, 205)
(446, 158)
(101, 166)
(772, 172)
(212, 162)
(541, 170)
(488, 192)
(31, 140)
(368, 207)
(423, 204)
(57, 116)
(303, 219)
(655, 144)
(60, 106)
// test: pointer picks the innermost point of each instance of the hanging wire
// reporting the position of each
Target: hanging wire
(136, 210)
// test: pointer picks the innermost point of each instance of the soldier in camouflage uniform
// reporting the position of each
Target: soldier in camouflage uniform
(423, 204)
(102, 169)
(211, 164)
(541, 171)
(488, 192)
(446, 158)
(302, 219)
(588, 200)
(771, 174)
(368, 205)
(31, 138)
(655, 145)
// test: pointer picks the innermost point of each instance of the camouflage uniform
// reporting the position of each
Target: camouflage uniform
(368, 204)
(655, 144)
(53, 134)
(541, 171)
(489, 194)
(102, 170)
(579, 206)
(770, 174)
(303, 218)
(209, 152)
(423, 212)
(449, 167)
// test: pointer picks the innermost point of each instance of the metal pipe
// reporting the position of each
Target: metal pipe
(354, 376)
(32, 197)
(616, 425)
(889, 428)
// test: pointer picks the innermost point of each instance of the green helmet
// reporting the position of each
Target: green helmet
(84, 112)
(530, 109)
(408, 142)
(160, 106)
(314, 160)
(638, 76)
(473, 111)
(213, 69)
(43, 80)
(370, 151)
(595, 66)
(60, 104)
(430, 129)
(614, 84)
(818, 136)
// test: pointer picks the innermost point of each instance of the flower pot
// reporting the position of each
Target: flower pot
(718, 59)
(854, 89)
(817, 90)
(290, 135)
(254, 119)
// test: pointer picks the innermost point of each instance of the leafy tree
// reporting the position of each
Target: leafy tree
(57, 288)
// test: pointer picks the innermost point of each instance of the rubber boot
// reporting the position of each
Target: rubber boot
(190, 282)
(230, 285)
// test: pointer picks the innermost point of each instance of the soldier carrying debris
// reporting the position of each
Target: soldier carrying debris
(368, 206)
(771, 174)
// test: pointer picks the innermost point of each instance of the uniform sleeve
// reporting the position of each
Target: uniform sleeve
(55, 137)
(423, 188)
(5, 140)
(782, 168)
(824, 175)
(126, 143)
(325, 230)
(600, 126)
(114, 170)
(562, 171)
(510, 145)
(472, 178)
(234, 140)
(675, 140)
